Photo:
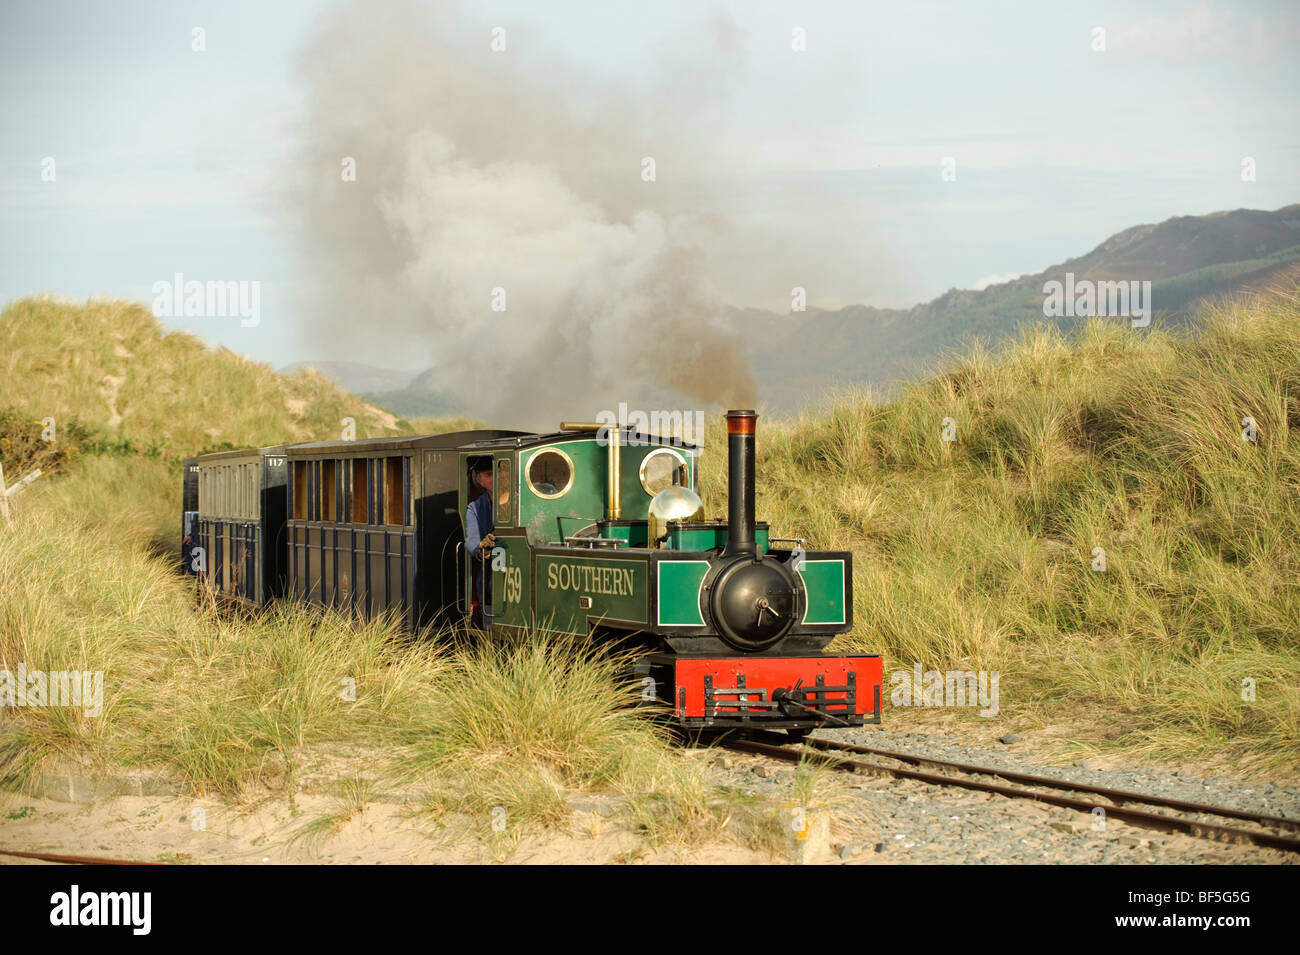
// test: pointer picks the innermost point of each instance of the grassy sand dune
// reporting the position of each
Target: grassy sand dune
(237, 705)
(978, 553)
(971, 554)
(111, 366)
(242, 705)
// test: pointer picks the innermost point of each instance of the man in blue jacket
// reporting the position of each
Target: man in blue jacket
(479, 541)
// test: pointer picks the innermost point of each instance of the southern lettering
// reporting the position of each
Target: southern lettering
(588, 579)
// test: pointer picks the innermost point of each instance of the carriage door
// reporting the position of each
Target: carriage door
(439, 537)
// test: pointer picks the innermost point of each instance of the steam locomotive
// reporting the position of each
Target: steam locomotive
(598, 530)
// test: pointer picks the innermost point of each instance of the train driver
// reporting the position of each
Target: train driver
(479, 541)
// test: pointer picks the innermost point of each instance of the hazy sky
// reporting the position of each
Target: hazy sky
(821, 168)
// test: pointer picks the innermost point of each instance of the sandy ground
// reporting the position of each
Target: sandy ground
(857, 820)
(191, 831)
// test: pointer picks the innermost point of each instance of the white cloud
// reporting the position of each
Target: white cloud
(1208, 30)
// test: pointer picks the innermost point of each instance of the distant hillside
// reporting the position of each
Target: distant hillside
(799, 358)
(1187, 243)
(412, 396)
(1188, 259)
(111, 366)
(421, 397)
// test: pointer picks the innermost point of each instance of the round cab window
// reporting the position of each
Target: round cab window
(659, 469)
(550, 473)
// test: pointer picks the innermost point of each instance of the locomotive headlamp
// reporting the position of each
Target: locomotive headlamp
(676, 503)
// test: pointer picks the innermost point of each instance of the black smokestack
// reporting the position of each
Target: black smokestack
(740, 481)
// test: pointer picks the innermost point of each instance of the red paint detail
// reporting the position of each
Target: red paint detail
(771, 673)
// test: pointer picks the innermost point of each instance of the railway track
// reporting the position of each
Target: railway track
(72, 860)
(1190, 818)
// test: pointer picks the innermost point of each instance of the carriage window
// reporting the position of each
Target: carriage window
(329, 490)
(501, 487)
(550, 473)
(360, 487)
(393, 491)
(662, 468)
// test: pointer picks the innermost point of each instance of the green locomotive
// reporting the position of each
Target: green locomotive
(600, 529)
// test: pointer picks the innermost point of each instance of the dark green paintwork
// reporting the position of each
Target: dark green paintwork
(584, 503)
(824, 581)
(512, 582)
(679, 592)
(707, 538)
(539, 582)
(617, 585)
(632, 533)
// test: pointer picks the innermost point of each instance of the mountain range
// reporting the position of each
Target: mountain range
(798, 358)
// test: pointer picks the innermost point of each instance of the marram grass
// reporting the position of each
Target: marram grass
(241, 705)
(978, 553)
(975, 553)
(112, 367)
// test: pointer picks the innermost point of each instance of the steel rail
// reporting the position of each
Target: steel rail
(1119, 795)
(72, 860)
(1135, 817)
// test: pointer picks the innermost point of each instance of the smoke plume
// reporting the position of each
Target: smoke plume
(479, 170)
